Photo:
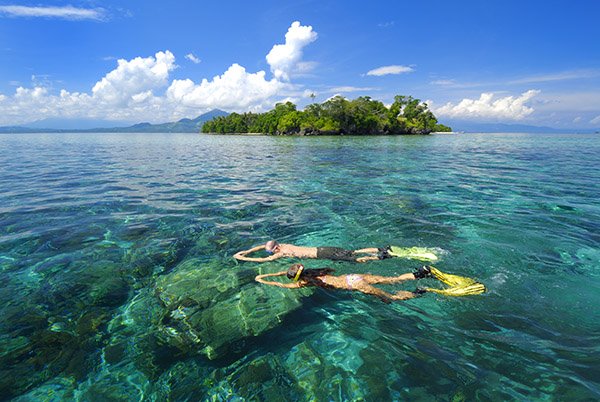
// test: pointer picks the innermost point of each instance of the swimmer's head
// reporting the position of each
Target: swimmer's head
(271, 246)
(295, 272)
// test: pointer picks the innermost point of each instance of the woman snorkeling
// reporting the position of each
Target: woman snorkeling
(323, 278)
(302, 277)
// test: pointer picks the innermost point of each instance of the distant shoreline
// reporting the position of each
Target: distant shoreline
(92, 132)
(319, 135)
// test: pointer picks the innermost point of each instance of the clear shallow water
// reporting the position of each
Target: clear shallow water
(99, 234)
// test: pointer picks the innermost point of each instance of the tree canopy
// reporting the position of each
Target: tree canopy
(338, 115)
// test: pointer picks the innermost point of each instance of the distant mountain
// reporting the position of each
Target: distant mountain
(472, 127)
(181, 126)
(75, 124)
(21, 130)
(194, 126)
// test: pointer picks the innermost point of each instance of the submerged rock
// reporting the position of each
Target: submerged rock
(60, 322)
(185, 381)
(132, 337)
(86, 285)
(119, 384)
(156, 256)
(211, 311)
(264, 377)
(55, 390)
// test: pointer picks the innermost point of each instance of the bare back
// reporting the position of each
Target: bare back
(338, 282)
(289, 250)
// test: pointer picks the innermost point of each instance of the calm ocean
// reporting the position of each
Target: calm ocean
(117, 280)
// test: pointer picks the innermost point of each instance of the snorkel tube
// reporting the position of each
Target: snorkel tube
(299, 272)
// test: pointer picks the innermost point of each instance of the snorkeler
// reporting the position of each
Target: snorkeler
(302, 277)
(282, 250)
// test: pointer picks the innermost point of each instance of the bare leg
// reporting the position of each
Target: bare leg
(383, 295)
(388, 279)
(372, 290)
(368, 258)
(404, 295)
(371, 250)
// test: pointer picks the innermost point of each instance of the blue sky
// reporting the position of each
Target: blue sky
(528, 62)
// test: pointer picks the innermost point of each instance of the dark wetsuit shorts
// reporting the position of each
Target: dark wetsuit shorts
(335, 254)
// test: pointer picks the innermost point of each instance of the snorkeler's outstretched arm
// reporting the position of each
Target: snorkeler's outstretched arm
(243, 255)
(260, 279)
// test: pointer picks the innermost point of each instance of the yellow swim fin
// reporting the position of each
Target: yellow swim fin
(474, 289)
(449, 279)
(415, 253)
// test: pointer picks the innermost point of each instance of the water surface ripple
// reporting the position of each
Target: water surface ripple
(93, 227)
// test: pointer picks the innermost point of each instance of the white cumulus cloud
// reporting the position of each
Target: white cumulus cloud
(285, 59)
(235, 89)
(490, 108)
(134, 77)
(191, 57)
(142, 89)
(66, 12)
(387, 70)
(595, 120)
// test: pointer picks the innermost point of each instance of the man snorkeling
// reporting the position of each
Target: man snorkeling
(322, 278)
(282, 250)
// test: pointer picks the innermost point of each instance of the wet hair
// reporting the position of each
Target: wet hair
(270, 245)
(310, 275)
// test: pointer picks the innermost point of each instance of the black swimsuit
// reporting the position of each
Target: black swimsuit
(335, 254)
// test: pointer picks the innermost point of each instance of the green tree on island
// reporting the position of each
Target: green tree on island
(338, 115)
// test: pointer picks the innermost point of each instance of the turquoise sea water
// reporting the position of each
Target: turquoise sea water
(117, 282)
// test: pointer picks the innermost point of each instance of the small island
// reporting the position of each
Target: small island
(336, 116)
